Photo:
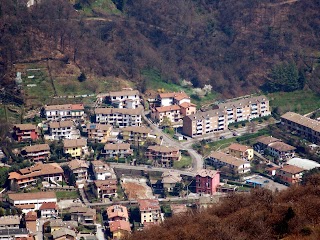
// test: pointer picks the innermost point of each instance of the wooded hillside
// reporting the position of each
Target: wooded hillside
(236, 46)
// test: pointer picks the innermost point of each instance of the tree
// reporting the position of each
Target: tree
(82, 77)
(166, 122)
(69, 175)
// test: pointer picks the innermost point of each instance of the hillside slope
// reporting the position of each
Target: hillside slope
(230, 44)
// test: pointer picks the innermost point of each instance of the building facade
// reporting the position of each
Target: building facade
(105, 188)
(117, 150)
(79, 169)
(62, 130)
(290, 174)
(241, 151)
(25, 132)
(150, 210)
(119, 117)
(99, 132)
(77, 148)
(163, 156)
(207, 181)
(125, 99)
(36, 153)
(65, 111)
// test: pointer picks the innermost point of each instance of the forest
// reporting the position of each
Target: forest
(238, 47)
(293, 214)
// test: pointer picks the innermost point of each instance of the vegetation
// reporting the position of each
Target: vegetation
(67, 195)
(184, 162)
(290, 214)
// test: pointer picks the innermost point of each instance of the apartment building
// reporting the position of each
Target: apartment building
(187, 108)
(102, 170)
(31, 201)
(125, 99)
(117, 212)
(290, 174)
(236, 165)
(99, 132)
(173, 98)
(105, 188)
(150, 211)
(302, 126)
(119, 117)
(241, 151)
(218, 119)
(79, 169)
(116, 150)
(65, 111)
(172, 113)
(77, 148)
(83, 215)
(207, 181)
(49, 210)
(25, 132)
(9, 222)
(163, 156)
(136, 135)
(36, 153)
(25, 177)
(63, 130)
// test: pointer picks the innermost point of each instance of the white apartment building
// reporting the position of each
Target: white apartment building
(173, 98)
(220, 159)
(125, 99)
(79, 169)
(102, 171)
(63, 129)
(65, 111)
(150, 211)
(119, 150)
(119, 117)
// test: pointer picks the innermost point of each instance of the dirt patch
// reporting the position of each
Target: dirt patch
(136, 188)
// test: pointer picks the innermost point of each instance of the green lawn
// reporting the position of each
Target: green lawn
(67, 195)
(104, 6)
(301, 101)
(185, 162)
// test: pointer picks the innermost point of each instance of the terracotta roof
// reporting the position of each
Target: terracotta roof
(266, 140)
(170, 177)
(281, 146)
(208, 114)
(37, 170)
(61, 124)
(31, 196)
(302, 120)
(291, 169)
(25, 206)
(26, 126)
(243, 102)
(71, 143)
(85, 211)
(124, 93)
(226, 158)
(99, 163)
(65, 107)
(116, 146)
(108, 182)
(75, 164)
(239, 147)
(98, 126)
(120, 225)
(9, 220)
(60, 223)
(168, 108)
(207, 173)
(176, 95)
(48, 205)
(63, 232)
(136, 129)
(148, 204)
(127, 111)
(31, 216)
(117, 211)
(186, 105)
(163, 149)
(37, 148)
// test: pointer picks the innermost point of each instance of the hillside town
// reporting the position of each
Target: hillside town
(129, 163)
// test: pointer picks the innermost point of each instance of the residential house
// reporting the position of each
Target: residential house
(56, 224)
(25, 132)
(170, 180)
(116, 150)
(124, 99)
(241, 151)
(263, 142)
(63, 130)
(302, 126)
(290, 174)
(217, 120)
(235, 165)
(25, 177)
(65, 111)
(36, 153)
(79, 169)
(83, 215)
(9, 222)
(13, 234)
(31, 221)
(102, 170)
(77, 148)
(31, 201)
(105, 188)
(173, 98)
(119, 117)
(49, 210)
(207, 181)
(171, 113)
(163, 156)
(271, 171)
(64, 234)
(119, 229)
(187, 108)
(117, 212)
(136, 135)
(150, 211)
(99, 132)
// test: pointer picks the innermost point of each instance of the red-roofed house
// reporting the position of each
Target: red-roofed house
(290, 174)
(49, 210)
(120, 229)
(117, 212)
(187, 108)
(167, 99)
(150, 210)
(241, 151)
(207, 181)
(172, 113)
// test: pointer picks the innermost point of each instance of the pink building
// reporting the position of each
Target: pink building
(207, 181)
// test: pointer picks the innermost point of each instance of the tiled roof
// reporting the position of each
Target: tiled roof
(203, 115)
(124, 93)
(9, 220)
(243, 102)
(207, 173)
(119, 225)
(37, 148)
(61, 124)
(26, 126)
(60, 223)
(31, 196)
(31, 216)
(85, 211)
(186, 105)
(302, 120)
(98, 126)
(170, 177)
(281, 146)
(71, 143)
(63, 232)
(226, 158)
(176, 95)
(239, 147)
(163, 149)
(37, 170)
(291, 169)
(266, 140)
(107, 182)
(48, 205)
(75, 164)
(65, 107)
(127, 111)
(148, 204)
(136, 129)
(117, 146)
(168, 108)
(117, 211)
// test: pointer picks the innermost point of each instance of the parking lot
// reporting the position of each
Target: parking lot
(260, 181)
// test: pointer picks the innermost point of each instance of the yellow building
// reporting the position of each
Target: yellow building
(241, 151)
(150, 211)
(75, 147)
(99, 132)
(119, 229)
(135, 135)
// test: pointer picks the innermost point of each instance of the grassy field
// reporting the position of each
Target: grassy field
(302, 101)
(67, 195)
(184, 162)
(103, 6)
